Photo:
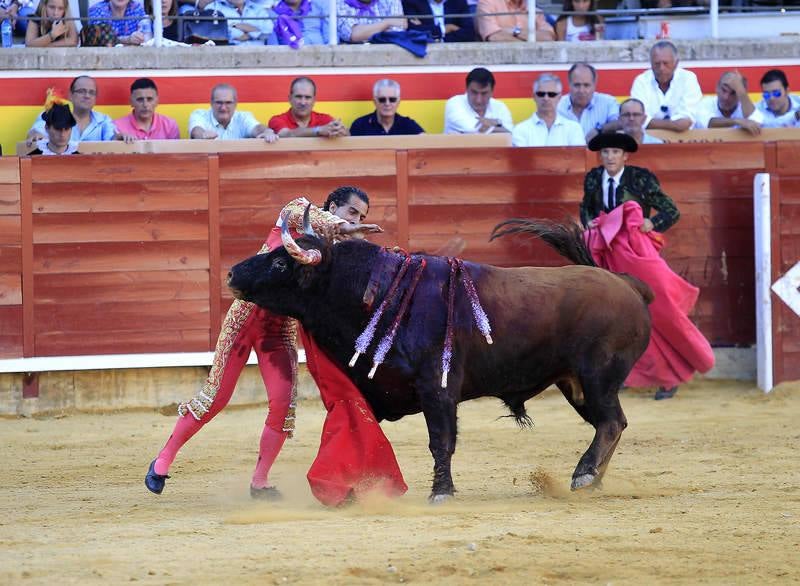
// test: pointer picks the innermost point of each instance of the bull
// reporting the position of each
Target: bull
(578, 327)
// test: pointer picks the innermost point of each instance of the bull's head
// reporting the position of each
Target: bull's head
(277, 279)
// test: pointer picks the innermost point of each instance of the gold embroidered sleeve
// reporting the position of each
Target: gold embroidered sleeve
(319, 218)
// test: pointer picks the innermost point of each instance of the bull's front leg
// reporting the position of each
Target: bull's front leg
(439, 408)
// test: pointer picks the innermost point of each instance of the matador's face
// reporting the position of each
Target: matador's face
(613, 159)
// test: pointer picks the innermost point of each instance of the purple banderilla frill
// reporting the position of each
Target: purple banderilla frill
(481, 319)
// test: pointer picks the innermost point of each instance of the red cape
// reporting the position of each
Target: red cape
(677, 349)
(354, 455)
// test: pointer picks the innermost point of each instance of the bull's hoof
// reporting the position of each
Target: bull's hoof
(439, 499)
(582, 481)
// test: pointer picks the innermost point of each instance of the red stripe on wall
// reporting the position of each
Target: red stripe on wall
(335, 86)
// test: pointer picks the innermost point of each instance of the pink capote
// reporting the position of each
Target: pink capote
(677, 348)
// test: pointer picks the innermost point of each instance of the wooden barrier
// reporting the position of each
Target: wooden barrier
(127, 253)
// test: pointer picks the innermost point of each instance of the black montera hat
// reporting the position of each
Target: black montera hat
(614, 140)
(59, 116)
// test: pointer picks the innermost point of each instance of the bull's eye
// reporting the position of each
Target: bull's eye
(279, 264)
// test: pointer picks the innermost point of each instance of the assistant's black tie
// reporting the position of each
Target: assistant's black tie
(612, 200)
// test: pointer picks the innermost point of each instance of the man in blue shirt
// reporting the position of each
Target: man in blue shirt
(385, 120)
(592, 110)
(90, 125)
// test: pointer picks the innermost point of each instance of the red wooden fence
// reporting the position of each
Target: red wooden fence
(106, 254)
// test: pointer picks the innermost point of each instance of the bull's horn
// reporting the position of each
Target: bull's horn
(305, 257)
(307, 229)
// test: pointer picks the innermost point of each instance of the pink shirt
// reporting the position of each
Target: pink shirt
(163, 127)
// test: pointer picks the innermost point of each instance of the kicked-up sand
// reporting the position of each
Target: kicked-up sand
(703, 489)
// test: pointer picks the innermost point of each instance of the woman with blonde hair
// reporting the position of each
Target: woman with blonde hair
(52, 26)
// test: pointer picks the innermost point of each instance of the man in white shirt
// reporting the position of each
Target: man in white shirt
(477, 111)
(670, 94)
(546, 127)
(593, 110)
(779, 108)
(731, 107)
(222, 121)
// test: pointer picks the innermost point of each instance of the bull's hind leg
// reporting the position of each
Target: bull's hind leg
(602, 410)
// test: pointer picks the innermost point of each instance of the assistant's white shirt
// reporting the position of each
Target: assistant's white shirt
(681, 98)
(534, 132)
(708, 108)
(240, 126)
(460, 118)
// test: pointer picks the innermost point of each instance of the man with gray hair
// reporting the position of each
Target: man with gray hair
(594, 111)
(385, 120)
(222, 121)
(546, 127)
(632, 117)
(731, 107)
(670, 94)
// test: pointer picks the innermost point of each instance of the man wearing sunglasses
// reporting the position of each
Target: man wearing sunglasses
(300, 120)
(780, 110)
(731, 107)
(385, 120)
(670, 93)
(546, 127)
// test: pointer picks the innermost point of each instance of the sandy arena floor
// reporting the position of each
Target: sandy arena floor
(703, 489)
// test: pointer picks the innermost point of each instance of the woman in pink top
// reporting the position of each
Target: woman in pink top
(144, 123)
(509, 27)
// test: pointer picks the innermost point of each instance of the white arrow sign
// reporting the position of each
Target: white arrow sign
(788, 288)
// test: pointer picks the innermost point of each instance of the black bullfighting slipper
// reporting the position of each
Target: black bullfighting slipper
(663, 393)
(154, 482)
(268, 493)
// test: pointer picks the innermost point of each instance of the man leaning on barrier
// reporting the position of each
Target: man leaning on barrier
(594, 111)
(730, 108)
(300, 120)
(477, 111)
(670, 93)
(224, 122)
(546, 127)
(144, 123)
(779, 108)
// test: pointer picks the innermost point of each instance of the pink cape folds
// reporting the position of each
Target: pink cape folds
(677, 348)
(355, 457)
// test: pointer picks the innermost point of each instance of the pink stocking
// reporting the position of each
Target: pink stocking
(269, 448)
(185, 428)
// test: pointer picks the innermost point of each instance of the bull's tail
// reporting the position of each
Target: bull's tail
(566, 238)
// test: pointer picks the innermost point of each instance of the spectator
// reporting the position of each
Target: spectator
(248, 21)
(91, 125)
(443, 19)
(779, 108)
(9, 9)
(632, 116)
(731, 107)
(670, 94)
(52, 30)
(58, 124)
(385, 120)
(305, 20)
(477, 111)
(301, 119)
(144, 123)
(493, 25)
(359, 19)
(623, 237)
(127, 30)
(170, 26)
(546, 127)
(222, 121)
(582, 26)
(593, 110)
